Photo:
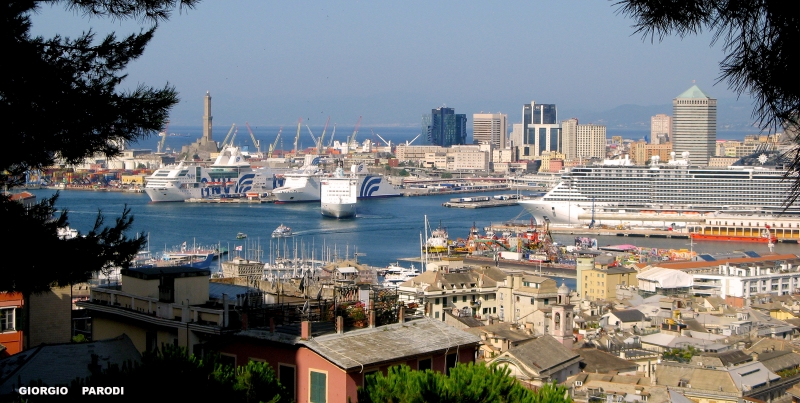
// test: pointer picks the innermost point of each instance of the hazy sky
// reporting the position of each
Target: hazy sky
(269, 62)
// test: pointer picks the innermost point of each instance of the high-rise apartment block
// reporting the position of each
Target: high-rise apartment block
(490, 128)
(443, 127)
(694, 125)
(582, 142)
(660, 129)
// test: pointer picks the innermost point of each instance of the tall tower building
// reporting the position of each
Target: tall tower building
(591, 141)
(660, 129)
(561, 325)
(569, 138)
(207, 118)
(694, 125)
(540, 129)
(490, 128)
(443, 127)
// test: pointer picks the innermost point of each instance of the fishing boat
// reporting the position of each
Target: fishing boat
(282, 231)
(241, 235)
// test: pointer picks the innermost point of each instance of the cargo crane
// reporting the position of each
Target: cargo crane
(227, 137)
(313, 138)
(163, 138)
(330, 143)
(352, 139)
(253, 137)
(297, 137)
(274, 144)
(322, 138)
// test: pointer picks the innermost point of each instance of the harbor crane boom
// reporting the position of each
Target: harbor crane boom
(312, 135)
(253, 137)
(388, 143)
(227, 137)
(355, 131)
(330, 143)
(321, 138)
(408, 143)
(275, 143)
(163, 138)
(297, 137)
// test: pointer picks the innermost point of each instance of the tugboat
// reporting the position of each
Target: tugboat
(282, 232)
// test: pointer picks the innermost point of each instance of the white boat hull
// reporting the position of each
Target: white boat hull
(308, 190)
(337, 210)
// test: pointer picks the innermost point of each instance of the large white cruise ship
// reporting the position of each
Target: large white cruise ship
(339, 194)
(230, 174)
(755, 185)
(303, 185)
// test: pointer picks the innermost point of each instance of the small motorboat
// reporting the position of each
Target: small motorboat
(282, 231)
(241, 235)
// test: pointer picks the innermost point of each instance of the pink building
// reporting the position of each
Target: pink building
(318, 364)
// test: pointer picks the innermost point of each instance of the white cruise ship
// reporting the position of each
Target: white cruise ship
(303, 185)
(230, 174)
(755, 185)
(339, 194)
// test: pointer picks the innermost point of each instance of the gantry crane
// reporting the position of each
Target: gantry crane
(253, 137)
(275, 144)
(163, 138)
(352, 139)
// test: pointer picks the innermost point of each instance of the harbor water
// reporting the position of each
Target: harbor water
(383, 231)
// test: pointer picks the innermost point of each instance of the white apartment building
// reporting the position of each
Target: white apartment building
(490, 128)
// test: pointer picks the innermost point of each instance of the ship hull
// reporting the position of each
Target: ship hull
(368, 187)
(733, 238)
(338, 210)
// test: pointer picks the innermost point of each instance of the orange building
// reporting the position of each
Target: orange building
(10, 337)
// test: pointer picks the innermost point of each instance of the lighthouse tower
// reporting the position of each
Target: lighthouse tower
(561, 320)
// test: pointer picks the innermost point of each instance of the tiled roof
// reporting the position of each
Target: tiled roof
(542, 353)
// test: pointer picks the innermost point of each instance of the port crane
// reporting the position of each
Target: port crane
(297, 137)
(330, 143)
(313, 138)
(163, 138)
(352, 139)
(253, 137)
(322, 138)
(388, 143)
(228, 136)
(275, 143)
(408, 143)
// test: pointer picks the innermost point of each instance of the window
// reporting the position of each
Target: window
(319, 387)
(7, 320)
(436, 301)
(455, 299)
(424, 364)
(450, 362)
(464, 298)
(287, 377)
(227, 359)
(547, 301)
(437, 315)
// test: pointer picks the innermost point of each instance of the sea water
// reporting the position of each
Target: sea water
(383, 231)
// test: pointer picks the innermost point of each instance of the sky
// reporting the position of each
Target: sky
(270, 62)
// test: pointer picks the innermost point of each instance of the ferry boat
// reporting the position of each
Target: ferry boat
(303, 185)
(618, 192)
(338, 194)
(230, 174)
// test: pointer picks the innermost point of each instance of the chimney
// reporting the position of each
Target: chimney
(339, 325)
(371, 318)
(305, 330)
(402, 315)
(272, 325)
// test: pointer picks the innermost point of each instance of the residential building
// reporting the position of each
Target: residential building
(600, 283)
(552, 161)
(539, 361)
(317, 362)
(490, 128)
(415, 153)
(469, 158)
(583, 141)
(642, 153)
(569, 138)
(443, 127)
(515, 139)
(694, 125)
(660, 129)
(10, 332)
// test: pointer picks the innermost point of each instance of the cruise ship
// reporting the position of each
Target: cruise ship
(230, 174)
(339, 194)
(303, 185)
(618, 192)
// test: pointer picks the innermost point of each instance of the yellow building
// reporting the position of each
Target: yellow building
(641, 152)
(596, 282)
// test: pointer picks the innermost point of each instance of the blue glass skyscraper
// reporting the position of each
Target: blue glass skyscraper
(443, 127)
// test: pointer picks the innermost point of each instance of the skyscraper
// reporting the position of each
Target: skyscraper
(694, 125)
(660, 129)
(541, 128)
(582, 142)
(443, 127)
(490, 128)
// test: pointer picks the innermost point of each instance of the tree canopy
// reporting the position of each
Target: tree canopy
(61, 102)
(465, 383)
(759, 38)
